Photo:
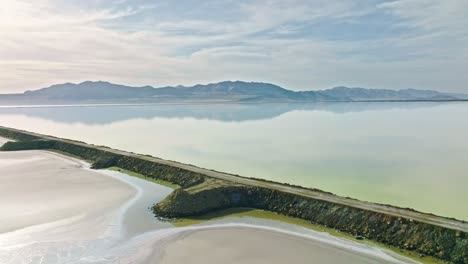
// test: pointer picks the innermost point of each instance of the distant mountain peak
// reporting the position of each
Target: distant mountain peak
(94, 83)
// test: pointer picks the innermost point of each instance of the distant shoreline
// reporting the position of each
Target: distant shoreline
(107, 104)
(225, 91)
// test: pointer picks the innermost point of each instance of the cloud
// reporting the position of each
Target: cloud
(300, 44)
(430, 15)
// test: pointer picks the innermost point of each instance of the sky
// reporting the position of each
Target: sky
(297, 44)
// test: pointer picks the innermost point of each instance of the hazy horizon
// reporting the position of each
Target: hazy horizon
(300, 45)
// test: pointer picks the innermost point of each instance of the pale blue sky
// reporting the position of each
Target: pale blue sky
(298, 44)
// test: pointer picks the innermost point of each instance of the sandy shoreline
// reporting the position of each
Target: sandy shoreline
(250, 244)
(41, 187)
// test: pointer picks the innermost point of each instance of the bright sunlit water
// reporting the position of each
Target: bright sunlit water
(406, 154)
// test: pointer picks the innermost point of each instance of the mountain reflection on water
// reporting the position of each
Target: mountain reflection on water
(409, 154)
(229, 112)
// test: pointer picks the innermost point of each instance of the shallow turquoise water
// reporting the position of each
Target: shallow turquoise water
(406, 154)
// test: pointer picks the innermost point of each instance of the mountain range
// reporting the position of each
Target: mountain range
(238, 91)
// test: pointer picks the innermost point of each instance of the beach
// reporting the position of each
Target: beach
(41, 187)
(53, 205)
(250, 244)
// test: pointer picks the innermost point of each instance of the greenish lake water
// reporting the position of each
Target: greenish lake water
(406, 154)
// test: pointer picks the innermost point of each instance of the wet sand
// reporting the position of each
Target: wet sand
(241, 244)
(41, 187)
(56, 210)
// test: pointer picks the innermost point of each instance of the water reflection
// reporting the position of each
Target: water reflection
(406, 154)
(229, 112)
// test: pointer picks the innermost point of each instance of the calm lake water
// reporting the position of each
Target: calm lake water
(406, 154)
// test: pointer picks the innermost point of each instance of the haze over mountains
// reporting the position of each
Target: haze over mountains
(105, 92)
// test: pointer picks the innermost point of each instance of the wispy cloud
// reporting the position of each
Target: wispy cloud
(300, 44)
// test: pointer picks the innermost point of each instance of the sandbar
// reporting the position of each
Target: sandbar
(233, 245)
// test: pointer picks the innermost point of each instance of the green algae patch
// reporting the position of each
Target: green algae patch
(248, 212)
(143, 177)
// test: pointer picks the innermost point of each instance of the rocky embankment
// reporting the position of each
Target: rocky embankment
(395, 231)
(200, 193)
